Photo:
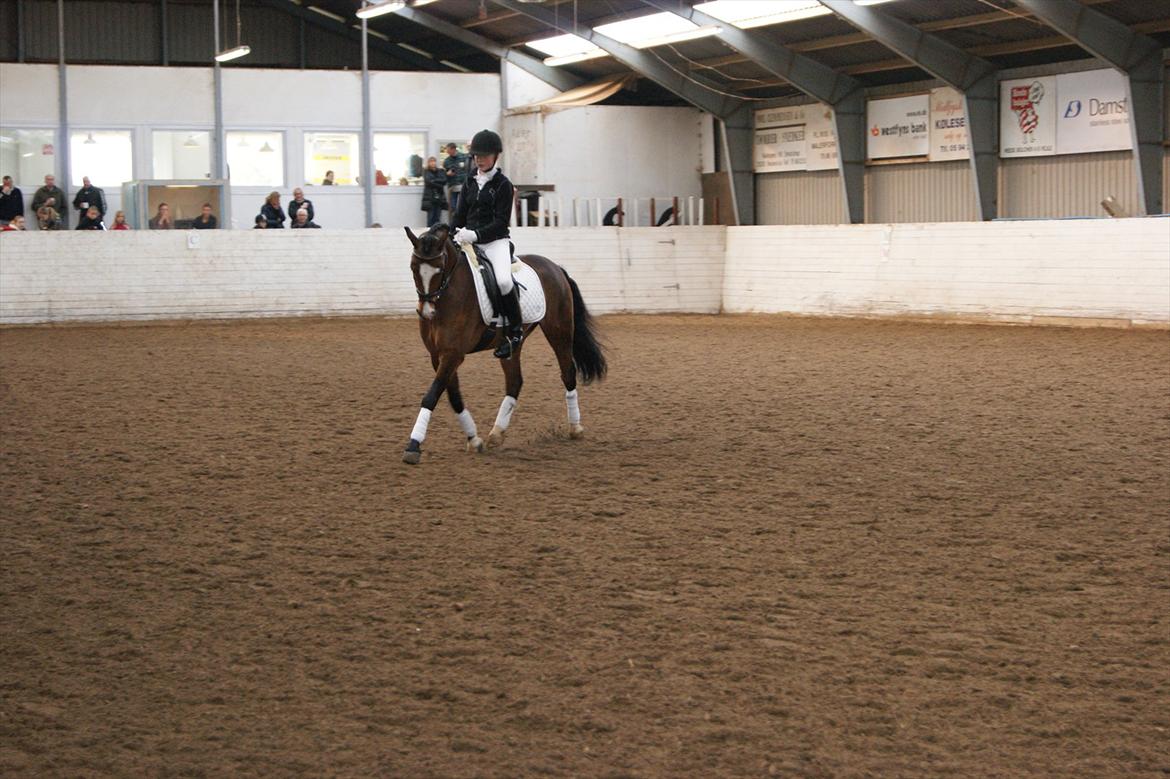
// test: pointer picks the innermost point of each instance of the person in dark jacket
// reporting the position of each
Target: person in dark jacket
(87, 196)
(302, 220)
(298, 202)
(52, 196)
(456, 166)
(272, 211)
(485, 206)
(206, 220)
(434, 200)
(91, 219)
(261, 223)
(11, 201)
(162, 219)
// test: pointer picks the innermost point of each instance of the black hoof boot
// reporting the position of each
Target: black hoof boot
(413, 453)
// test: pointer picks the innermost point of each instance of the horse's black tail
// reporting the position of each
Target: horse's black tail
(587, 352)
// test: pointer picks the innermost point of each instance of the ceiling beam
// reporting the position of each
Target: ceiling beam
(396, 52)
(974, 76)
(1139, 58)
(731, 110)
(845, 94)
(556, 77)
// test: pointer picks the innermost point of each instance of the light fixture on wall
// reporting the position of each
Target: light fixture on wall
(377, 9)
(266, 147)
(191, 143)
(89, 139)
(239, 50)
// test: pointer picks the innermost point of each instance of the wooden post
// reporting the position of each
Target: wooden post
(621, 216)
(653, 214)
(674, 205)
(715, 205)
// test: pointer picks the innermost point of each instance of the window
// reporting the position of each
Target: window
(337, 152)
(27, 155)
(105, 156)
(181, 154)
(398, 158)
(255, 158)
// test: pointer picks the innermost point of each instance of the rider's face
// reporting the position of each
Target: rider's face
(485, 162)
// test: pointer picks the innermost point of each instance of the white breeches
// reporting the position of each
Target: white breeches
(501, 258)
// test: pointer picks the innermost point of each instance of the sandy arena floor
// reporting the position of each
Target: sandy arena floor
(787, 548)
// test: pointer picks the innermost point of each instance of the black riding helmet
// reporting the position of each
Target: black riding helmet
(486, 142)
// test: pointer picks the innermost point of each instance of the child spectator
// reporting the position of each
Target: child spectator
(14, 224)
(261, 223)
(91, 220)
(48, 218)
(120, 221)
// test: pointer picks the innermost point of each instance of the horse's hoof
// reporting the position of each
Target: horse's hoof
(413, 453)
(475, 445)
(495, 438)
(576, 432)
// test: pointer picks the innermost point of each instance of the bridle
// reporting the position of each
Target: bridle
(444, 277)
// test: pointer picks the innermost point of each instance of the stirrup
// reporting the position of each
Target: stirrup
(509, 344)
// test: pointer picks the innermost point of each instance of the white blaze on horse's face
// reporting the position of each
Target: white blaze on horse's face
(426, 272)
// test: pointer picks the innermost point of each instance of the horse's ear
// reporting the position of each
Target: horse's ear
(413, 238)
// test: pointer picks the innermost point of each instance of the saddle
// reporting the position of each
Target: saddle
(489, 276)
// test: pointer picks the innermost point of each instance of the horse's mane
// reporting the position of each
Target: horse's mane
(430, 243)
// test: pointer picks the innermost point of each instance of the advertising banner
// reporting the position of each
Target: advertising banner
(948, 125)
(820, 136)
(1027, 117)
(1093, 112)
(898, 127)
(780, 117)
(779, 149)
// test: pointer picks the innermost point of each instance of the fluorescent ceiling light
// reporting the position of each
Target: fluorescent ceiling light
(678, 37)
(645, 31)
(377, 9)
(746, 14)
(417, 3)
(455, 65)
(417, 50)
(569, 59)
(233, 54)
(562, 45)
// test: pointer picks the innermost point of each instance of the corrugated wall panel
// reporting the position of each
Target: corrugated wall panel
(40, 31)
(799, 198)
(1166, 182)
(111, 31)
(920, 192)
(191, 34)
(273, 35)
(1068, 185)
(8, 32)
(330, 51)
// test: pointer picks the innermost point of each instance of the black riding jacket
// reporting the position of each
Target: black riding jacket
(486, 210)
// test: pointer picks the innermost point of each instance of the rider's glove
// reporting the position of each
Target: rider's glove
(463, 235)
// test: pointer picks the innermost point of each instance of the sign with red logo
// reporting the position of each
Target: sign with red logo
(1027, 117)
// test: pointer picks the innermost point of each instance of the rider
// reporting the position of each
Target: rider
(482, 218)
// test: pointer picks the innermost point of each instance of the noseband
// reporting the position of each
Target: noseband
(444, 278)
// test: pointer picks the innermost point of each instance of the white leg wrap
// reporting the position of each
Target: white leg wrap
(504, 418)
(574, 409)
(419, 433)
(467, 423)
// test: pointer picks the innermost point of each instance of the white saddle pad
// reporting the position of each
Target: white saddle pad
(532, 304)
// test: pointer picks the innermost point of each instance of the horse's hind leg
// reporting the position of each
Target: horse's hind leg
(560, 338)
(474, 442)
(513, 381)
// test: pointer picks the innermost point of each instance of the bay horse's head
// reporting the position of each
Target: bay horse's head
(433, 264)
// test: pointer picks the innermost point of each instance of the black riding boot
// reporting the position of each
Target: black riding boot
(513, 327)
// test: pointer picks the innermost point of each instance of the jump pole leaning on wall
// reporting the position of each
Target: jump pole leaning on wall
(367, 144)
(63, 108)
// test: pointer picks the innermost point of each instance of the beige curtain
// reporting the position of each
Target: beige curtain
(587, 94)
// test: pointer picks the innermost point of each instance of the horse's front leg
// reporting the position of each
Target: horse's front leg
(448, 363)
(474, 442)
(513, 381)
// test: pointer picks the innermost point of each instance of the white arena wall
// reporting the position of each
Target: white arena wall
(1086, 271)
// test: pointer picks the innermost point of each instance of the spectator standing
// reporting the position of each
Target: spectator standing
(90, 219)
(50, 195)
(87, 196)
(434, 199)
(11, 201)
(328, 180)
(206, 220)
(302, 221)
(15, 224)
(120, 221)
(298, 202)
(272, 211)
(162, 220)
(261, 223)
(456, 167)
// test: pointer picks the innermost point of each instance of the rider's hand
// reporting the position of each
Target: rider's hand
(463, 235)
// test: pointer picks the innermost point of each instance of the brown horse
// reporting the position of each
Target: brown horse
(451, 328)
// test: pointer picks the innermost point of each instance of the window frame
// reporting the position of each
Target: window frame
(423, 131)
(152, 129)
(134, 151)
(284, 163)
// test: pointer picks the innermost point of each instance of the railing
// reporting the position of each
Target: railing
(554, 210)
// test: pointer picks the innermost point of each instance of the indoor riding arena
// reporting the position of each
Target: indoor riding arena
(856, 466)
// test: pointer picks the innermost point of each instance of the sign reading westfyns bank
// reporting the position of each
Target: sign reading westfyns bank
(898, 127)
(1093, 113)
